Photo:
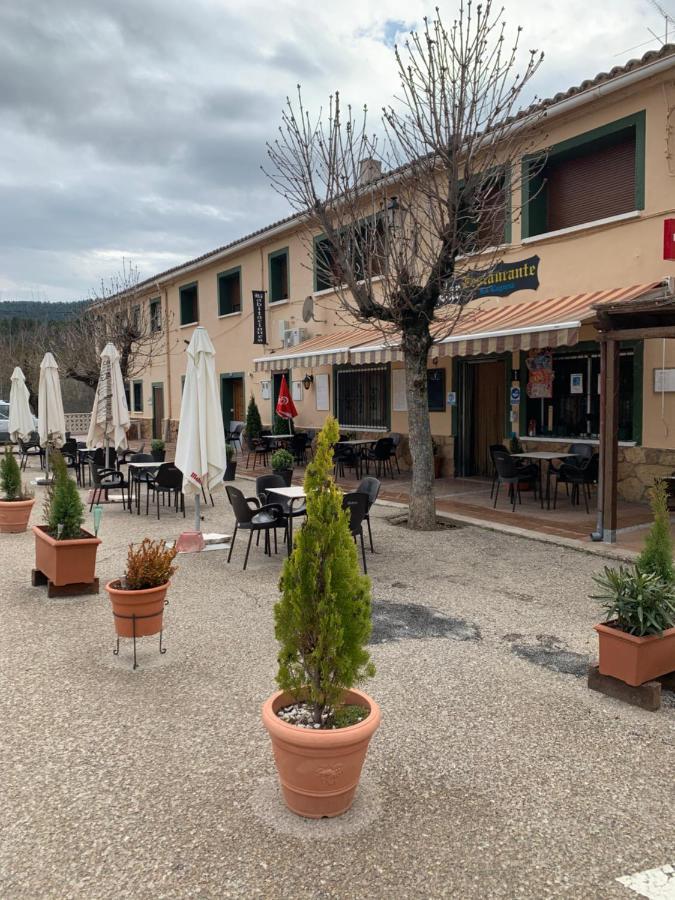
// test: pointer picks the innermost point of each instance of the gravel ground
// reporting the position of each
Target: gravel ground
(495, 774)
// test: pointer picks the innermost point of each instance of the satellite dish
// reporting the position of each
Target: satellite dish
(308, 311)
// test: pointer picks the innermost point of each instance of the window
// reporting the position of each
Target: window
(127, 394)
(189, 304)
(229, 292)
(574, 408)
(362, 397)
(364, 246)
(278, 262)
(483, 219)
(436, 389)
(136, 318)
(138, 396)
(595, 176)
(155, 315)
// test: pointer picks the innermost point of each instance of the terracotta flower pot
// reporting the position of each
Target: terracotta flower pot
(319, 770)
(14, 515)
(633, 659)
(147, 605)
(66, 562)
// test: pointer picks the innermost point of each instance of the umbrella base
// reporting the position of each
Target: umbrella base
(190, 542)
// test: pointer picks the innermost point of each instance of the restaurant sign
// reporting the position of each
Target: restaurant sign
(499, 280)
(259, 325)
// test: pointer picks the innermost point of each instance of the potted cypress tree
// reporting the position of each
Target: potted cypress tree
(253, 428)
(319, 724)
(139, 597)
(158, 450)
(637, 640)
(16, 503)
(231, 466)
(64, 552)
(282, 464)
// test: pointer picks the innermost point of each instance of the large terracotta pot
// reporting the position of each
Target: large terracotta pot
(147, 605)
(66, 562)
(633, 659)
(319, 770)
(14, 515)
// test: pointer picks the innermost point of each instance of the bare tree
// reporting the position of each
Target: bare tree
(118, 313)
(399, 248)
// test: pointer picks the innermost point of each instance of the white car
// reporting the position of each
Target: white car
(4, 422)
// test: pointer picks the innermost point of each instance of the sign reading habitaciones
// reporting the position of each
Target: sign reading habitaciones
(259, 326)
(499, 280)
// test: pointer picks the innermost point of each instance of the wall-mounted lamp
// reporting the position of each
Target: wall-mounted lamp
(307, 381)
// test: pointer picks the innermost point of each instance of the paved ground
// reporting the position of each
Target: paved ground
(496, 773)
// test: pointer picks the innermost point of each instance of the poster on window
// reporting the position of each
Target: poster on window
(576, 383)
(540, 375)
(296, 390)
(321, 392)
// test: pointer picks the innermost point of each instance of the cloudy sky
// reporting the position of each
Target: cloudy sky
(136, 128)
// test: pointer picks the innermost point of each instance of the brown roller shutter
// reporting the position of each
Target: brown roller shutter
(591, 186)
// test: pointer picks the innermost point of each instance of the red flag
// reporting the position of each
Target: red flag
(285, 406)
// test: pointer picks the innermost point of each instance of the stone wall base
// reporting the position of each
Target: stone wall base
(638, 467)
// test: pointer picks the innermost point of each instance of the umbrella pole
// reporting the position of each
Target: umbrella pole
(107, 452)
(198, 516)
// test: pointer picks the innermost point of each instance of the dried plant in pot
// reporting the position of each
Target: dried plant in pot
(282, 464)
(64, 552)
(139, 597)
(16, 502)
(319, 724)
(637, 640)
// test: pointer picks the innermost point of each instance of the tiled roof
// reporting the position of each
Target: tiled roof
(602, 77)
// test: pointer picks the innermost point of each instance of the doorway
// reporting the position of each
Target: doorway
(157, 410)
(232, 399)
(482, 413)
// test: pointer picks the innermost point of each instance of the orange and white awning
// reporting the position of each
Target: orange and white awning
(506, 326)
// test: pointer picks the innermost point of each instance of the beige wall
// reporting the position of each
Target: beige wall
(586, 259)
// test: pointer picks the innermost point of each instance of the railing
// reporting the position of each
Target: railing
(78, 423)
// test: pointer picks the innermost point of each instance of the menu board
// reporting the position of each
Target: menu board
(321, 391)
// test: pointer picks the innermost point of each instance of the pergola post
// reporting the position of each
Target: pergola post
(609, 435)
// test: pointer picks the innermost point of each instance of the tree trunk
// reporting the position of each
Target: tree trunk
(422, 507)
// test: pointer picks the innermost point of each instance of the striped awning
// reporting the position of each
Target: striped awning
(509, 325)
(329, 349)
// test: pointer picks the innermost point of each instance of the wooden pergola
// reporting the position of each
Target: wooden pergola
(647, 317)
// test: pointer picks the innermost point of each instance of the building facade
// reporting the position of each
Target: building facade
(524, 357)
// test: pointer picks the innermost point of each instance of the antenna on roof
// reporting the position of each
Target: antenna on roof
(308, 311)
(668, 20)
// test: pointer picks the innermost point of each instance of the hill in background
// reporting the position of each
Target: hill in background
(39, 310)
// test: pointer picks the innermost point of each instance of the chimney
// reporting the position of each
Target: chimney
(369, 170)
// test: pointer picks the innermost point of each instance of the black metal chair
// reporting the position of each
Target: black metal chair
(260, 450)
(264, 484)
(579, 454)
(508, 472)
(167, 483)
(381, 454)
(253, 518)
(298, 446)
(396, 442)
(345, 457)
(104, 480)
(581, 477)
(234, 436)
(371, 488)
(99, 457)
(71, 458)
(31, 447)
(139, 477)
(356, 504)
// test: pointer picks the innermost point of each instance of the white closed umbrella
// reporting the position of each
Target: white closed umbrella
(200, 448)
(20, 417)
(110, 415)
(51, 418)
